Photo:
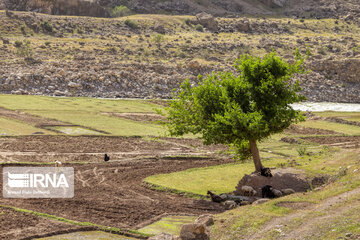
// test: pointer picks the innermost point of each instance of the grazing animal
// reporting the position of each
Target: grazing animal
(58, 163)
(267, 192)
(229, 204)
(266, 172)
(215, 198)
(287, 191)
(276, 192)
(248, 191)
(106, 158)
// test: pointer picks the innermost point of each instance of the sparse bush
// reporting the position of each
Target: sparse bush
(302, 150)
(18, 43)
(188, 21)
(131, 24)
(79, 31)
(199, 28)
(47, 26)
(24, 50)
(120, 11)
(47, 43)
(112, 50)
(158, 39)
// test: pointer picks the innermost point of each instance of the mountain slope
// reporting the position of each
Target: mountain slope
(100, 8)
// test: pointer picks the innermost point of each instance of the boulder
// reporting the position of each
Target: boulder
(243, 26)
(194, 231)
(2, 5)
(282, 179)
(207, 20)
(206, 219)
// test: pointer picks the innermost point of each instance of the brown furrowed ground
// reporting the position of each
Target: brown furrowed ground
(112, 193)
(15, 225)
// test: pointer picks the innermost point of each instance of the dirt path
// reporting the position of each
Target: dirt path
(306, 228)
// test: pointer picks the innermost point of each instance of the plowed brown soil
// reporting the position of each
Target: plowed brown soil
(111, 193)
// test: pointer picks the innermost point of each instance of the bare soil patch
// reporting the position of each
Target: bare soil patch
(339, 141)
(92, 149)
(293, 129)
(139, 117)
(16, 225)
(111, 193)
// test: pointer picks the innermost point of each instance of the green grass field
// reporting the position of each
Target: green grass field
(87, 112)
(10, 127)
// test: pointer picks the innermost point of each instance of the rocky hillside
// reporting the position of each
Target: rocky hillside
(146, 56)
(100, 8)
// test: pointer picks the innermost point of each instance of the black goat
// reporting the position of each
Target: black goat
(266, 172)
(215, 198)
(106, 158)
(267, 192)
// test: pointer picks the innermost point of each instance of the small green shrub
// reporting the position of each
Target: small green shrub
(47, 26)
(302, 150)
(24, 50)
(158, 39)
(199, 28)
(18, 44)
(188, 21)
(79, 31)
(120, 11)
(131, 24)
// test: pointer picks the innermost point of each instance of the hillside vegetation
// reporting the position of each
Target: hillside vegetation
(146, 56)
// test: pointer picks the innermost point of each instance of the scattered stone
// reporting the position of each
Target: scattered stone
(207, 20)
(193, 231)
(164, 236)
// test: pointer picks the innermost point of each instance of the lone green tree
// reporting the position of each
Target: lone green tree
(243, 109)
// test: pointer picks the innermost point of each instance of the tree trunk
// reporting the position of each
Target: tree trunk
(255, 154)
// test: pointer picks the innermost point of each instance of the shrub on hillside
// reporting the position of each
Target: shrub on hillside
(24, 50)
(131, 24)
(199, 28)
(120, 11)
(47, 26)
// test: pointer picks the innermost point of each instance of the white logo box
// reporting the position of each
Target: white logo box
(38, 182)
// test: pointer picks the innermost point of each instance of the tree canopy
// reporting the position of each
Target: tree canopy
(240, 109)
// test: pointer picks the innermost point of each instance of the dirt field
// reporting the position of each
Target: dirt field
(15, 225)
(110, 193)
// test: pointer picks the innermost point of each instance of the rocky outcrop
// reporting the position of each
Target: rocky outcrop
(281, 179)
(295, 8)
(2, 5)
(274, 3)
(207, 20)
(59, 7)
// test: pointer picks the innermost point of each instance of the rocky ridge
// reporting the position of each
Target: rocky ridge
(86, 57)
(99, 8)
